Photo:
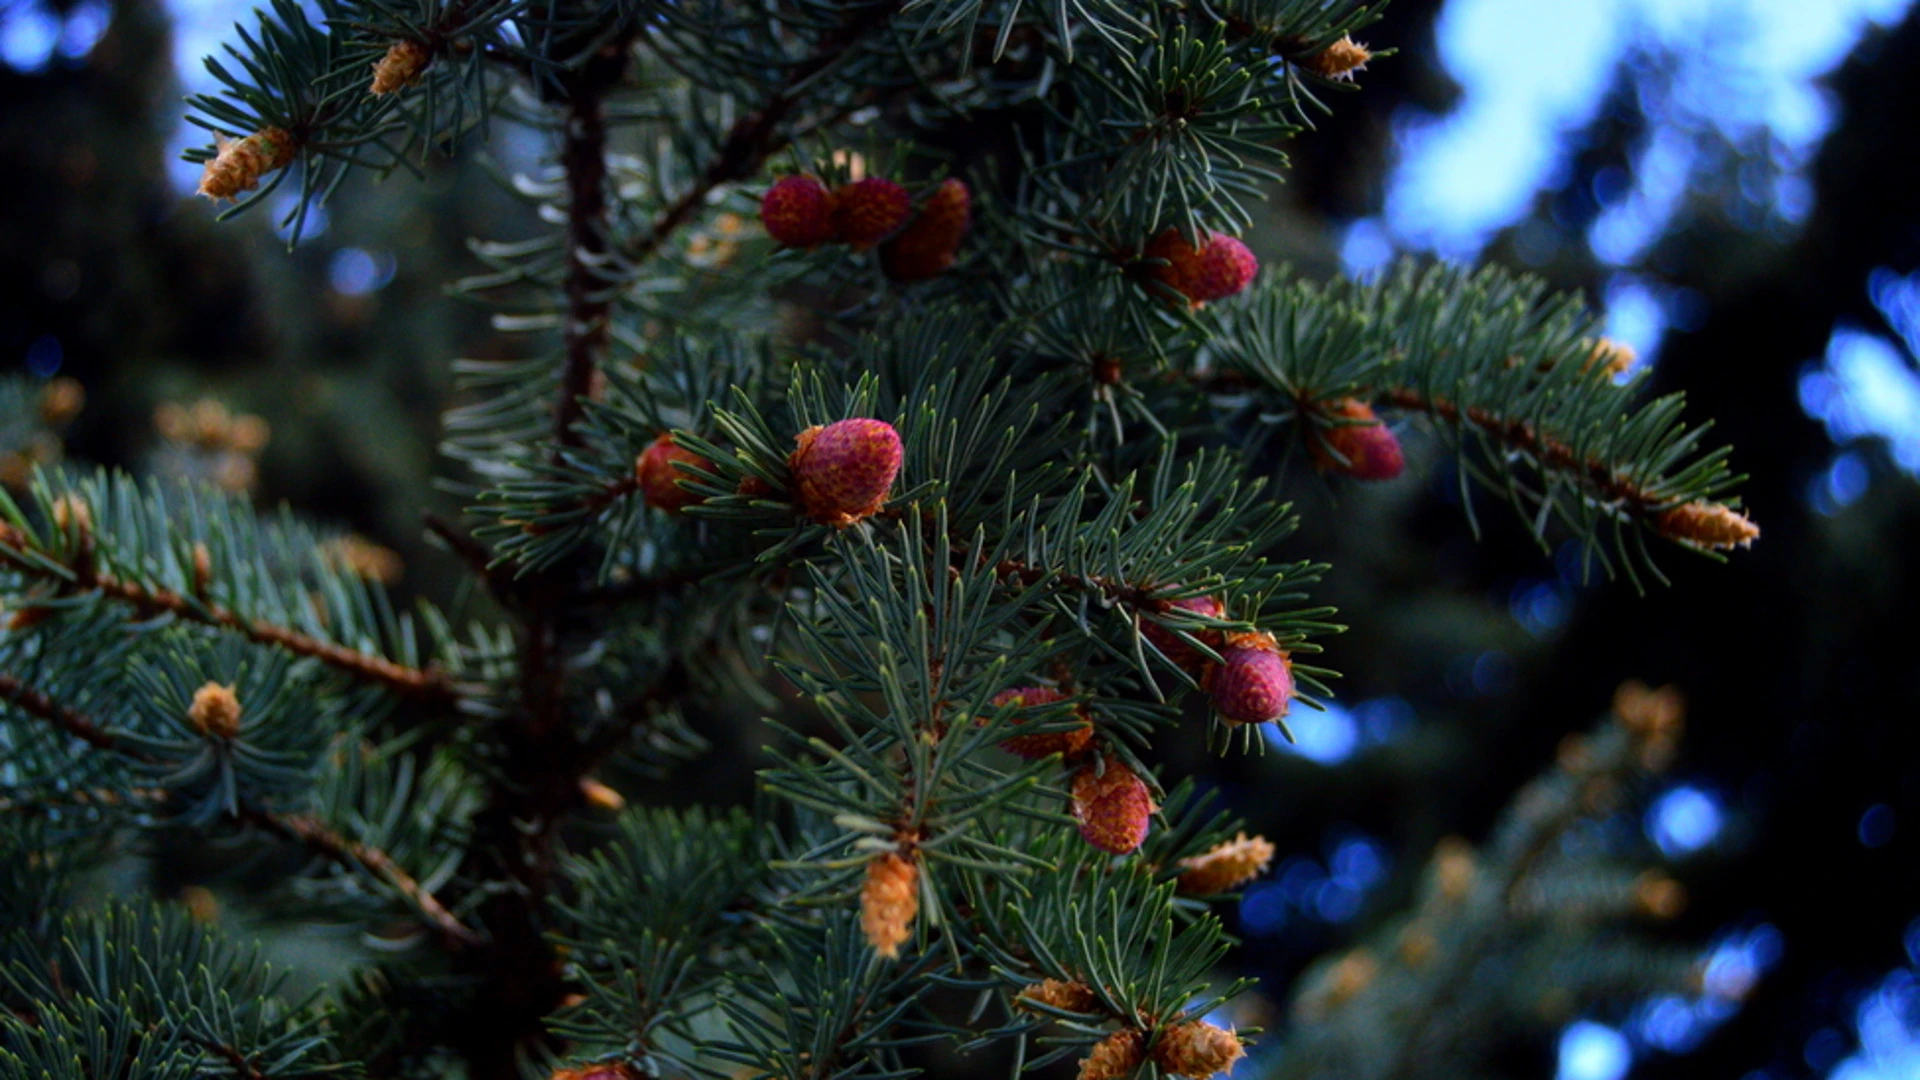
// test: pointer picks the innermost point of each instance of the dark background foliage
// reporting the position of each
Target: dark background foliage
(1473, 659)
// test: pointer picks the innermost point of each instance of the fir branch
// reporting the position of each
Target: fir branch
(36, 704)
(757, 136)
(314, 833)
(302, 827)
(80, 575)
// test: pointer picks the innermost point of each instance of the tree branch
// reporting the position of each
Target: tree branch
(314, 833)
(421, 684)
(305, 828)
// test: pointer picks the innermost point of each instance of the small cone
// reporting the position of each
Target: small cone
(868, 211)
(1218, 268)
(1711, 526)
(1252, 686)
(928, 246)
(798, 212)
(1339, 60)
(1070, 744)
(240, 163)
(1170, 643)
(400, 67)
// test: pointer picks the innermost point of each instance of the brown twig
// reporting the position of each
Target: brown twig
(1598, 477)
(35, 703)
(316, 835)
(305, 828)
(426, 684)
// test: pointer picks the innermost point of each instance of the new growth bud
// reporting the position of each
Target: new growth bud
(1113, 806)
(215, 711)
(868, 211)
(240, 163)
(1356, 443)
(798, 212)
(889, 901)
(1226, 866)
(1070, 744)
(658, 478)
(1115, 1056)
(1218, 268)
(928, 247)
(1253, 685)
(843, 471)
(1197, 1049)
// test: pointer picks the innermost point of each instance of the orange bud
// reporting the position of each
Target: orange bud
(1060, 994)
(240, 163)
(1338, 60)
(215, 711)
(1114, 1056)
(1113, 806)
(1197, 1049)
(889, 901)
(1226, 866)
(401, 67)
(1709, 526)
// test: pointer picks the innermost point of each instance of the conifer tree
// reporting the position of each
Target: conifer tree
(894, 370)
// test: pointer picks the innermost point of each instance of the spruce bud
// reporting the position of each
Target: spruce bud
(1115, 1056)
(1168, 642)
(798, 212)
(400, 67)
(215, 711)
(1359, 445)
(1220, 267)
(657, 476)
(1060, 994)
(843, 471)
(888, 902)
(927, 247)
(868, 211)
(1113, 806)
(1253, 686)
(1069, 744)
(1712, 526)
(1197, 1049)
(240, 163)
(1226, 866)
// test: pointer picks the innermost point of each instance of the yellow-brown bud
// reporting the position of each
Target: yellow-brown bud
(61, 400)
(1115, 1056)
(240, 163)
(1227, 866)
(1061, 994)
(70, 513)
(1339, 60)
(1612, 357)
(1707, 525)
(889, 901)
(215, 711)
(1453, 867)
(600, 795)
(1659, 896)
(401, 67)
(1197, 1050)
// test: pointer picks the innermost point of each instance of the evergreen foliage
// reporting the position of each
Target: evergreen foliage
(1083, 455)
